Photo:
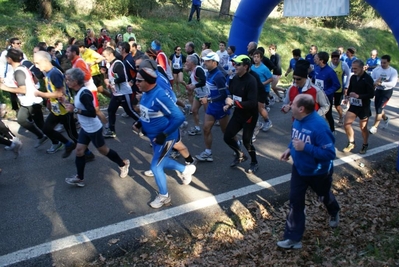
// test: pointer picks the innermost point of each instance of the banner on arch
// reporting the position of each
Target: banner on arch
(315, 8)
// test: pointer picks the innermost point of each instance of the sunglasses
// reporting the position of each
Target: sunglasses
(17, 43)
(139, 80)
(178, 49)
(297, 79)
(237, 64)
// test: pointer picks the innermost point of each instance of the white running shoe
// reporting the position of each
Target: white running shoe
(187, 173)
(149, 173)
(204, 157)
(373, 130)
(74, 180)
(267, 126)
(386, 123)
(125, 169)
(160, 201)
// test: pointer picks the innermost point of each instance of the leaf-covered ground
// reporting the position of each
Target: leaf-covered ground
(368, 234)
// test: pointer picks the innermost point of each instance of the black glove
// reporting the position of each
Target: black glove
(160, 138)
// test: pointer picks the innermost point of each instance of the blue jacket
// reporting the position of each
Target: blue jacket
(197, 2)
(319, 152)
(159, 114)
(326, 79)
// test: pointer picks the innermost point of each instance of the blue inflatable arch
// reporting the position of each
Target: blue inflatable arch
(252, 14)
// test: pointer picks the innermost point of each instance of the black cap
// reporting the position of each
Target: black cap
(301, 68)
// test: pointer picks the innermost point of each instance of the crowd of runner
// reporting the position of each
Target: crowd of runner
(235, 91)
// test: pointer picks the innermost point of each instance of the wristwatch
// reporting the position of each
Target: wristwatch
(75, 110)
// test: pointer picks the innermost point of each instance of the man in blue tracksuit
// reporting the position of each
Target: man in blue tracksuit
(195, 7)
(326, 79)
(312, 150)
(160, 119)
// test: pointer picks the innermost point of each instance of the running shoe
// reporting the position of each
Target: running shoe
(289, 244)
(187, 174)
(125, 169)
(75, 180)
(55, 148)
(160, 201)
(41, 141)
(204, 157)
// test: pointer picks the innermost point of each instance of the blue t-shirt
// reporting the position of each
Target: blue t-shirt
(263, 73)
(373, 62)
(216, 83)
(293, 63)
(310, 59)
(350, 61)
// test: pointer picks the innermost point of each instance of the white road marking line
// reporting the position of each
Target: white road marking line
(91, 235)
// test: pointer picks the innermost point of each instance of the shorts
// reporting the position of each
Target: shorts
(95, 99)
(381, 99)
(338, 99)
(217, 113)
(177, 71)
(361, 112)
(98, 81)
(96, 138)
(262, 95)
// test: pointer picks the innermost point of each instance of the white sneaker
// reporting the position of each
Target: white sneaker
(204, 157)
(386, 123)
(160, 200)
(149, 173)
(75, 180)
(59, 128)
(267, 126)
(55, 148)
(373, 130)
(187, 174)
(124, 115)
(16, 146)
(125, 169)
(289, 244)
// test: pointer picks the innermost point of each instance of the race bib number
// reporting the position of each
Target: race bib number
(320, 84)
(356, 102)
(201, 92)
(237, 98)
(176, 66)
(144, 114)
(55, 108)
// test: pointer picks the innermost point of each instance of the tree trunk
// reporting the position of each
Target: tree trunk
(225, 9)
(46, 9)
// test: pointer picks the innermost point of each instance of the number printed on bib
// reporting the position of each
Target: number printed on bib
(356, 102)
(237, 98)
(320, 84)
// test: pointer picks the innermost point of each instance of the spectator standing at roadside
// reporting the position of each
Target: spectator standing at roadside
(195, 7)
(129, 34)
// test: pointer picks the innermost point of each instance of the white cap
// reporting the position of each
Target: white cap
(211, 56)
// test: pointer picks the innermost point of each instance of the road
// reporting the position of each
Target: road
(45, 221)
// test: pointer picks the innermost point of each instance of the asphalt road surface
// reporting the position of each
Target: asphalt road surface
(44, 221)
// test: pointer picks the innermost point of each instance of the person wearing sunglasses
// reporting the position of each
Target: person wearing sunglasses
(244, 90)
(160, 119)
(303, 85)
(216, 83)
